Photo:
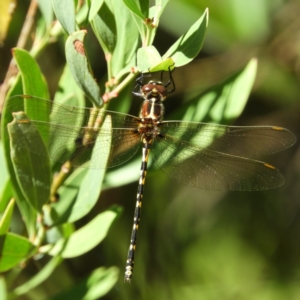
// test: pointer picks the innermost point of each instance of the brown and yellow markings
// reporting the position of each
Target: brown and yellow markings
(23, 121)
(277, 128)
(269, 166)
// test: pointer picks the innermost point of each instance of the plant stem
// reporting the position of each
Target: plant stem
(59, 179)
(114, 93)
(25, 32)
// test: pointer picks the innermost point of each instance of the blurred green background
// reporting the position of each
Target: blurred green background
(196, 244)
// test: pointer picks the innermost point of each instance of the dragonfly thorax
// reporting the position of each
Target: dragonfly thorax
(152, 109)
(153, 93)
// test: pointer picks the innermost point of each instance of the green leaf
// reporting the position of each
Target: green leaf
(95, 6)
(5, 194)
(3, 293)
(33, 84)
(6, 219)
(62, 211)
(154, 15)
(37, 279)
(5, 224)
(149, 60)
(222, 103)
(65, 13)
(88, 193)
(80, 193)
(124, 175)
(164, 65)
(68, 94)
(35, 110)
(27, 212)
(82, 14)
(33, 81)
(147, 57)
(87, 237)
(124, 55)
(104, 27)
(187, 47)
(81, 190)
(158, 9)
(233, 94)
(33, 171)
(47, 11)
(79, 66)
(16, 248)
(98, 284)
(238, 90)
(124, 105)
(135, 8)
(4, 173)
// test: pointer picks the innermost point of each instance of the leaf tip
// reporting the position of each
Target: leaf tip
(206, 12)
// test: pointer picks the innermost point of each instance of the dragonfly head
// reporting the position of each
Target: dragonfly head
(154, 90)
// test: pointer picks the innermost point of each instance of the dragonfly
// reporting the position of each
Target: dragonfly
(202, 155)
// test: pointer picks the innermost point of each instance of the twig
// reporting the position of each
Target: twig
(12, 70)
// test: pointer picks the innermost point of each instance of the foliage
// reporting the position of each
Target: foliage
(125, 31)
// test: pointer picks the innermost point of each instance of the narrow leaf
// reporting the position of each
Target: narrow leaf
(4, 172)
(104, 27)
(87, 237)
(164, 65)
(33, 171)
(47, 11)
(69, 94)
(5, 194)
(16, 248)
(158, 9)
(147, 57)
(3, 292)
(121, 176)
(28, 214)
(40, 277)
(239, 89)
(187, 47)
(33, 84)
(222, 103)
(124, 55)
(132, 5)
(98, 284)
(82, 189)
(33, 81)
(6, 219)
(95, 6)
(79, 66)
(65, 13)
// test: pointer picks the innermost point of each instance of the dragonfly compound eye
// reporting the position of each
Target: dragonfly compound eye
(152, 89)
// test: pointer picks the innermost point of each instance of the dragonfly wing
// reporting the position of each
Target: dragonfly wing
(246, 141)
(65, 135)
(118, 141)
(207, 169)
(66, 142)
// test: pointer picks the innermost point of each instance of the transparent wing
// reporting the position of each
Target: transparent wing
(207, 169)
(67, 136)
(66, 114)
(124, 144)
(246, 141)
